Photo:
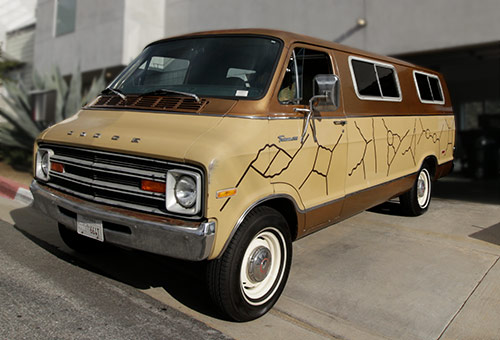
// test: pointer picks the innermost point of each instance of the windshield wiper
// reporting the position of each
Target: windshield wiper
(164, 91)
(117, 92)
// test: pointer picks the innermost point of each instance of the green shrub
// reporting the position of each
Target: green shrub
(19, 133)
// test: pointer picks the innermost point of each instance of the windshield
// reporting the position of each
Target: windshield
(224, 66)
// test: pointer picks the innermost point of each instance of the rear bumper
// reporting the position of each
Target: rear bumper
(155, 234)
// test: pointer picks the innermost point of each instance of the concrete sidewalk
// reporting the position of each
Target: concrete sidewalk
(377, 275)
(14, 184)
(15, 191)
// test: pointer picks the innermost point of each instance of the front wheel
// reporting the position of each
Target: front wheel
(249, 277)
(416, 201)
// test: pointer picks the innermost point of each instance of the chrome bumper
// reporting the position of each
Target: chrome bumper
(164, 236)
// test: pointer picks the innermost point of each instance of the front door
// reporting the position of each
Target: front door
(309, 157)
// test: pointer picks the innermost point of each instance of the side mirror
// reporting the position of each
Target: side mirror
(326, 89)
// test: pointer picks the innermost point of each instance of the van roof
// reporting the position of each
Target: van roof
(289, 38)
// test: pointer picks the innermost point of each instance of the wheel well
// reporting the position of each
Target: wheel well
(286, 208)
(431, 162)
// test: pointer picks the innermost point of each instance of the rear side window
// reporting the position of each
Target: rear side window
(428, 87)
(374, 80)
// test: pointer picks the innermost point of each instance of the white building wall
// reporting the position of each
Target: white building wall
(15, 14)
(325, 19)
(20, 46)
(107, 34)
(394, 26)
(96, 43)
(144, 23)
(112, 32)
(405, 26)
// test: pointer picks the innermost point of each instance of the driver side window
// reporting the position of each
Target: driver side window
(297, 85)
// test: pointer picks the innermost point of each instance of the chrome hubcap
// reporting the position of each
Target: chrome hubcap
(421, 188)
(263, 265)
(259, 264)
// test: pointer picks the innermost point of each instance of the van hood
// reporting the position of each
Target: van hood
(159, 135)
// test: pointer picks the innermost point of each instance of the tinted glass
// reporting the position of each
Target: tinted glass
(229, 66)
(366, 78)
(423, 86)
(66, 16)
(313, 63)
(309, 64)
(436, 89)
(168, 71)
(387, 82)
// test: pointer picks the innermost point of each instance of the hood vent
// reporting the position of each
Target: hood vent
(160, 103)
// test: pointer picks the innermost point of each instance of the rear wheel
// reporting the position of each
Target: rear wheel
(249, 277)
(416, 201)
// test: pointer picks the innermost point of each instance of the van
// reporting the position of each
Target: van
(227, 146)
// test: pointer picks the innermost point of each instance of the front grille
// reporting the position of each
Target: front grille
(109, 178)
(161, 103)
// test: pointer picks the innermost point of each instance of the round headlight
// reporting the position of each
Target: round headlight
(44, 165)
(185, 191)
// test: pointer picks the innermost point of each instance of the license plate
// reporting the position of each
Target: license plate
(90, 227)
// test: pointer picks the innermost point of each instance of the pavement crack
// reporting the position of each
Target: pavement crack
(468, 297)
(478, 227)
(285, 316)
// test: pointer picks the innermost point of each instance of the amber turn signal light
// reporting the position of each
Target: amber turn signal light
(226, 193)
(57, 167)
(153, 186)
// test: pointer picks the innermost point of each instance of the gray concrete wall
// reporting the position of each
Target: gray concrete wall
(325, 19)
(403, 26)
(111, 33)
(394, 26)
(144, 23)
(107, 34)
(97, 41)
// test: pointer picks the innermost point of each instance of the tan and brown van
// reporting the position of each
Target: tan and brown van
(226, 146)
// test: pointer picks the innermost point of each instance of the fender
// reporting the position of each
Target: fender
(249, 209)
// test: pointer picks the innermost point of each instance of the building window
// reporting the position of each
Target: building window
(374, 81)
(428, 88)
(65, 17)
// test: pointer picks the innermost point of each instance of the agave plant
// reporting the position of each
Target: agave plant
(21, 129)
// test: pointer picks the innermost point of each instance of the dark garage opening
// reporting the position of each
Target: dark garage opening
(473, 77)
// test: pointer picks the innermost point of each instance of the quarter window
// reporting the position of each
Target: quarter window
(428, 88)
(374, 81)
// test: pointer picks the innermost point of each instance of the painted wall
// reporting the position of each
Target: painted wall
(144, 23)
(111, 33)
(324, 19)
(20, 46)
(96, 42)
(404, 26)
(107, 33)
(394, 27)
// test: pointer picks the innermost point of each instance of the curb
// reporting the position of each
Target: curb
(15, 191)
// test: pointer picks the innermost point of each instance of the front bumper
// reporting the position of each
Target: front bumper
(155, 234)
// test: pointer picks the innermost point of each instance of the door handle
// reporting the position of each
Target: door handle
(340, 122)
